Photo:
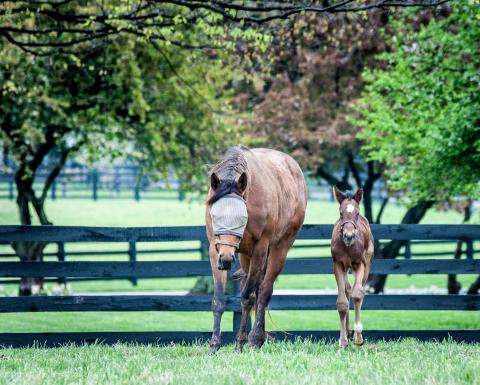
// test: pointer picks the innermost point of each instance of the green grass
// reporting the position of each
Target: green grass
(202, 321)
(127, 212)
(384, 363)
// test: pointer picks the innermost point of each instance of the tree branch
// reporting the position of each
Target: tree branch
(96, 23)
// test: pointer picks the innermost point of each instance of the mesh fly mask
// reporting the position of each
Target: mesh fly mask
(229, 216)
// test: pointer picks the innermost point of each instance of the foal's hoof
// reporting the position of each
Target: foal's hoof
(256, 339)
(342, 343)
(358, 339)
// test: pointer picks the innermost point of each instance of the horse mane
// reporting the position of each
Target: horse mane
(348, 194)
(227, 169)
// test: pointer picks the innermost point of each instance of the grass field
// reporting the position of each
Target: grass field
(170, 212)
(397, 363)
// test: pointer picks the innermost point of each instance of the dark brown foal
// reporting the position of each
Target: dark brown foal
(352, 248)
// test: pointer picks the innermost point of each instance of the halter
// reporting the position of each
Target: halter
(227, 243)
(343, 223)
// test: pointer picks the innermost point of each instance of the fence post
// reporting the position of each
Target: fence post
(61, 258)
(408, 250)
(136, 186)
(137, 192)
(116, 180)
(94, 184)
(469, 250)
(10, 186)
(132, 257)
(54, 190)
(181, 195)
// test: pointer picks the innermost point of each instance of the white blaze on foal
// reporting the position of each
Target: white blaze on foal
(350, 208)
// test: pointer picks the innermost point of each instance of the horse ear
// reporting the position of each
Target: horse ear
(358, 195)
(339, 196)
(242, 182)
(214, 181)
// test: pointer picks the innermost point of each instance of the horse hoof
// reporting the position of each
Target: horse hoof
(342, 343)
(239, 345)
(256, 340)
(359, 343)
(358, 339)
(214, 346)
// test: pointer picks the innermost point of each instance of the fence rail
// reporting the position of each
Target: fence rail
(163, 269)
(9, 233)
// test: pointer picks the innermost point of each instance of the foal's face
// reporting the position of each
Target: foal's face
(349, 213)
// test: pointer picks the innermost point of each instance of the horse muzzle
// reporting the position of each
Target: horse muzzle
(225, 263)
(349, 240)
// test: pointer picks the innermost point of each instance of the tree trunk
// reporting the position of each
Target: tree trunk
(29, 251)
(474, 287)
(391, 249)
(453, 285)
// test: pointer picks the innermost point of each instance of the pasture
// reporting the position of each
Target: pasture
(397, 363)
(171, 212)
(277, 362)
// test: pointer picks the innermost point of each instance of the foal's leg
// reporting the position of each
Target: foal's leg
(276, 260)
(342, 303)
(358, 293)
(219, 299)
(348, 291)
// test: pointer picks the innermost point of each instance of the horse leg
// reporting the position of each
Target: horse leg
(248, 298)
(358, 293)
(348, 291)
(219, 299)
(342, 302)
(275, 263)
(253, 266)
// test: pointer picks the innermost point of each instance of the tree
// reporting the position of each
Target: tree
(128, 99)
(420, 114)
(303, 104)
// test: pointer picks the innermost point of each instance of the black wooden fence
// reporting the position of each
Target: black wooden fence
(133, 253)
(164, 269)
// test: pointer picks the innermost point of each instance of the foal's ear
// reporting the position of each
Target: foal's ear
(242, 182)
(339, 196)
(214, 181)
(358, 195)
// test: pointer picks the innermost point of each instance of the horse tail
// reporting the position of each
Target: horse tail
(239, 274)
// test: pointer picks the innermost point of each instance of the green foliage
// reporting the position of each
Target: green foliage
(420, 115)
(129, 99)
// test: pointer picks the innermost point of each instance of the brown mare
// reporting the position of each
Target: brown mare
(255, 206)
(352, 248)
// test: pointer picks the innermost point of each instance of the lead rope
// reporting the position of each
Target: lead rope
(276, 327)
